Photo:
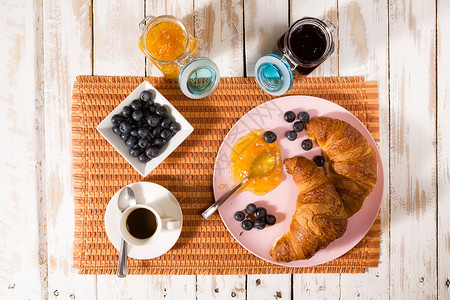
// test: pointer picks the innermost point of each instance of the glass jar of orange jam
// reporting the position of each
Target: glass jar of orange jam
(173, 49)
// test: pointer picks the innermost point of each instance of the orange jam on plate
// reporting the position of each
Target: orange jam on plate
(245, 151)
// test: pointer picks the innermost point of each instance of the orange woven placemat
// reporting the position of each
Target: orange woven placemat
(205, 246)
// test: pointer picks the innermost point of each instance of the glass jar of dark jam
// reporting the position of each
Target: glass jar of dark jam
(304, 46)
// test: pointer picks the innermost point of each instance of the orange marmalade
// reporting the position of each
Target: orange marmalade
(244, 152)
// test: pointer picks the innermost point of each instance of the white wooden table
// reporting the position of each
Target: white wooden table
(403, 44)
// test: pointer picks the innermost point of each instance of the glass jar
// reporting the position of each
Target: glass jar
(173, 49)
(304, 46)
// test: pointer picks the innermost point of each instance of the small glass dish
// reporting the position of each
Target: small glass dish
(105, 129)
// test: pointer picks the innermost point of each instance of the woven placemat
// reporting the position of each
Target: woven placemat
(205, 246)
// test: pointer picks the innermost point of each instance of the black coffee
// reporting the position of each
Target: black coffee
(141, 223)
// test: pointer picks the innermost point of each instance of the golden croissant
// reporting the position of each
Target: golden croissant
(350, 161)
(319, 218)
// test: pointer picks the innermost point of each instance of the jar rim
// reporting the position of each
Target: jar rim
(156, 20)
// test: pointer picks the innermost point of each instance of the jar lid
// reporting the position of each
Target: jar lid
(198, 78)
(274, 74)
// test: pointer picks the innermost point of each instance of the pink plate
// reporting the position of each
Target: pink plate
(281, 201)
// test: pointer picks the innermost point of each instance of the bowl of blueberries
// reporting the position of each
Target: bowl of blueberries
(145, 128)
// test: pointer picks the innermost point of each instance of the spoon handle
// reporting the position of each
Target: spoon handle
(122, 267)
(212, 209)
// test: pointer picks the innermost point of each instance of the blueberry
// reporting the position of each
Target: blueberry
(156, 131)
(135, 151)
(125, 127)
(247, 225)
(153, 120)
(166, 134)
(250, 209)
(303, 116)
(124, 136)
(261, 212)
(146, 96)
(131, 142)
(289, 116)
(269, 137)
(151, 109)
(319, 160)
(143, 142)
(116, 130)
(161, 111)
(143, 132)
(116, 120)
(127, 111)
(175, 127)
(239, 216)
(307, 144)
(137, 104)
(270, 220)
(291, 135)
(158, 142)
(298, 126)
(166, 122)
(259, 223)
(134, 132)
(151, 152)
(143, 158)
(137, 115)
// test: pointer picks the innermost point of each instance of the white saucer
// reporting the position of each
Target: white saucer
(163, 202)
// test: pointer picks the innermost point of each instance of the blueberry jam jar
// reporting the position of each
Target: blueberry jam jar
(303, 47)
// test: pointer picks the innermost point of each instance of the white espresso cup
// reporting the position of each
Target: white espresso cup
(141, 225)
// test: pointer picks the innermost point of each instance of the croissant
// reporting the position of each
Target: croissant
(350, 161)
(319, 217)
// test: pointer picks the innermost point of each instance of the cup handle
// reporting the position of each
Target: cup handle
(330, 25)
(170, 223)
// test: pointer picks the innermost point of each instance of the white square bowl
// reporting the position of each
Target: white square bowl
(105, 129)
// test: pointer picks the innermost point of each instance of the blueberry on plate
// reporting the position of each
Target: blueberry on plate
(143, 142)
(116, 119)
(151, 152)
(146, 96)
(298, 126)
(137, 104)
(151, 109)
(158, 142)
(134, 132)
(291, 135)
(135, 151)
(166, 122)
(247, 225)
(143, 158)
(259, 223)
(166, 134)
(269, 137)
(161, 111)
(116, 130)
(239, 216)
(125, 127)
(303, 116)
(261, 212)
(270, 220)
(153, 120)
(289, 116)
(124, 136)
(132, 141)
(127, 111)
(175, 127)
(319, 160)
(143, 132)
(156, 131)
(250, 209)
(307, 144)
(137, 115)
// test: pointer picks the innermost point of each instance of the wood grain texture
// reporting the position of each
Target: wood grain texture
(264, 23)
(21, 255)
(67, 53)
(116, 35)
(413, 149)
(219, 32)
(363, 49)
(443, 148)
(269, 287)
(317, 286)
(221, 287)
(173, 287)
